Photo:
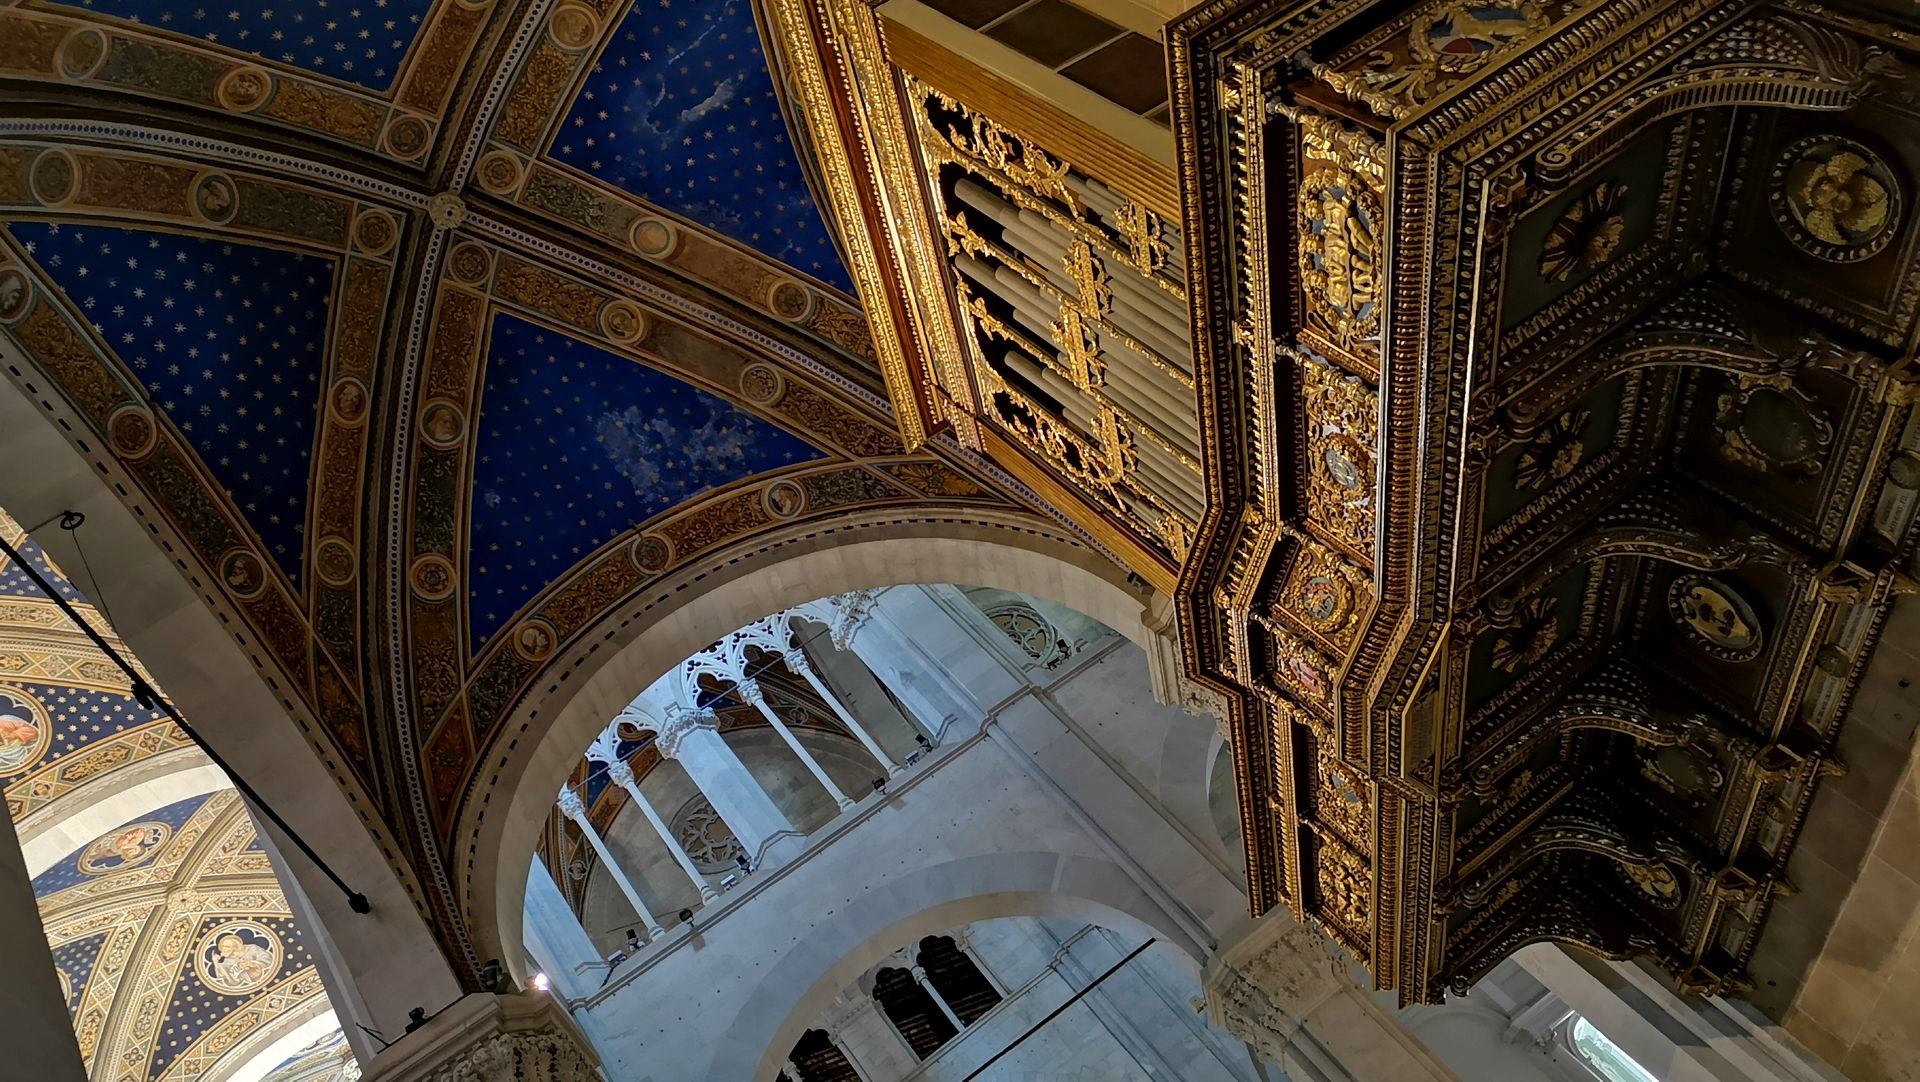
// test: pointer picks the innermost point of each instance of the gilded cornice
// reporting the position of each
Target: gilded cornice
(1570, 143)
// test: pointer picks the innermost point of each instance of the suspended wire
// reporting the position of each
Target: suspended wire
(71, 521)
(150, 699)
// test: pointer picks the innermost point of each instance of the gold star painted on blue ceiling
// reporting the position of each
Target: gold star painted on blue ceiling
(576, 446)
(357, 41)
(680, 111)
(77, 960)
(228, 339)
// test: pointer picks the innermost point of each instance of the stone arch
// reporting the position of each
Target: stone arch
(628, 651)
(376, 965)
(793, 991)
(81, 816)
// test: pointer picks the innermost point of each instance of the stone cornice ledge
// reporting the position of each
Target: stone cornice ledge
(526, 1037)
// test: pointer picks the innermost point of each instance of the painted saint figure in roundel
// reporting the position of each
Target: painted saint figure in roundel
(239, 957)
(125, 848)
(24, 731)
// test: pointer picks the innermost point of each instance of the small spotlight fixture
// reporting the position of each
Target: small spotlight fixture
(633, 941)
(541, 983)
(921, 739)
(416, 1018)
(744, 864)
(686, 916)
(880, 786)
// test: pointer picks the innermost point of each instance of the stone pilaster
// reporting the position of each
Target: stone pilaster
(524, 1037)
(1289, 992)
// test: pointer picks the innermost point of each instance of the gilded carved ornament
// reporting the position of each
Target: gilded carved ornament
(1553, 453)
(1443, 44)
(1835, 199)
(1340, 223)
(1344, 887)
(1531, 634)
(1586, 234)
(1770, 425)
(1339, 419)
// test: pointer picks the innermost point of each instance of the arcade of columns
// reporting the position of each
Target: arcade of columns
(687, 731)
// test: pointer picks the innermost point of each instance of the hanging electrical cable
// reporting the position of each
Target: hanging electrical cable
(150, 699)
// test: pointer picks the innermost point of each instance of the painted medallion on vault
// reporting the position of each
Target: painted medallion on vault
(128, 847)
(238, 957)
(24, 731)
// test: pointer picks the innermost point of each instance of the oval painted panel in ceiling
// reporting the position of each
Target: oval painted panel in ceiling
(578, 445)
(680, 110)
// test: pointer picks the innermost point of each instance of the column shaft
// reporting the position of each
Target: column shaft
(797, 661)
(751, 691)
(920, 978)
(623, 774)
(691, 738)
(576, 811)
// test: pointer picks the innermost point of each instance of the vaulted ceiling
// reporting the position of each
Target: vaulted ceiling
(435, 332)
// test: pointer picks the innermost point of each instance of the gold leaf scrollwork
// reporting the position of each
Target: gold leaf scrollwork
(1444, 43)
(1340, 221)
(1346, 887)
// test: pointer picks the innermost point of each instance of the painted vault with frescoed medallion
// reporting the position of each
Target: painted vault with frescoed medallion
(1564, 455)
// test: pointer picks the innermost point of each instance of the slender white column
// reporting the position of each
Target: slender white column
(692, 737)
(607, 750)
(920, 978)
(750, 691)
(574, 809)
(796, 660)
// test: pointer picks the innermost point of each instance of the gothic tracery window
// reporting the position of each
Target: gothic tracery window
(1032, 632)
(818, 1059)
(705, 836)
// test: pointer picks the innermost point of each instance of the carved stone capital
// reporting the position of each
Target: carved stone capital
(850, 611)
(681, 720)
(572, 806)
(524, 1037)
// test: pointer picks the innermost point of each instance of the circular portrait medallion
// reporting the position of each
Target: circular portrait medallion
(238, 957)
(24, 731)
(128, 847)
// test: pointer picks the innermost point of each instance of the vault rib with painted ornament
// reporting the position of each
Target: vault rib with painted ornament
(846, 540)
